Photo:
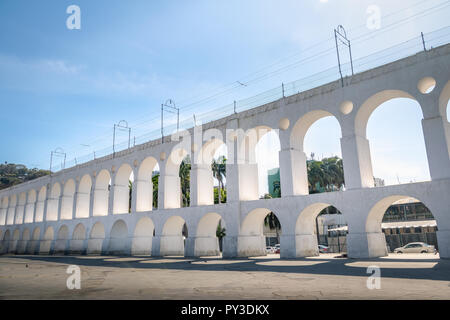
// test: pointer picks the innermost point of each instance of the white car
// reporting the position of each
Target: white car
(270, 250)
(416, 247)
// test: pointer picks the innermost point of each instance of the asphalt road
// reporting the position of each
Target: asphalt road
(422, 276)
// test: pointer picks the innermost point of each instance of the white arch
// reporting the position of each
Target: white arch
(202, 179)
(251, 240)
(46, 243)
(122, 190)
(305, 230)
(118, 236)
(172, 240)
(101, 193)
(143, 234)
(61, 239)
(79, 233)
(11, 210)
(296, 158)
(83, 197)
(3, 210)
(63, 233)
(373, 102)
(96, 238)
(29, 209)
(78, 237)
(67, 200)
(20, 210)
(172, 183)
(34, 244)
(206, 241)
(376, 239)
(144, 185)
(53, 203)
(39, 217)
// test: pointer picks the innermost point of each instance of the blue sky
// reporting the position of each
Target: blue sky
(66, 88)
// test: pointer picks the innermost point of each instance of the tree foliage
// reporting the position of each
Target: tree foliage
(12, 174)
(325, 175)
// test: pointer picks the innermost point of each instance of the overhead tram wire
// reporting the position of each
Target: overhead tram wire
(276, 72)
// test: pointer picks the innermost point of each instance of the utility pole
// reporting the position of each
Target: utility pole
(122, 125)
(341, 36)
(423, 42)
(58, 152)
(169, 106)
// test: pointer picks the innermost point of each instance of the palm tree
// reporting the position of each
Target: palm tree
(219, 172)
(130, 187)
(185, 179)
(155, 180)
(272, 222)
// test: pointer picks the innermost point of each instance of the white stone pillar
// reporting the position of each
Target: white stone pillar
(144, 195)
(366, 245)
(172, 191)
(306, 245)
(251, 246)
(206, 246)
(172, 245)
(357, 162)
(293, 172)
(437, 143)
(201, 185)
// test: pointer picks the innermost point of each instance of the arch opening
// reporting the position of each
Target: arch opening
(123, 182)
(83, 197)
(173, 237)
(260, 234)
(253, 148)
(268, 165)
(320, 229)
(143, 236)
(29, 209)
(316, 159)
(96, 239)
(61, 240)
(118, 243)
(40, 205)
(324, 165)
(211, 230)
(101, 193)
(401, 225)
(147, 185)
(397, 145)
(11, 210)
(3, 210)
(47, 241)
(53, 203)
(67, 200)
(78, 237)
(208, 172)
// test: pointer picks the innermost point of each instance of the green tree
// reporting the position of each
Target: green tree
(219, 172)
(12, 174)
(155, 181)
(185, 181)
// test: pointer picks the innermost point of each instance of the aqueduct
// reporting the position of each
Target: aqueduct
(85, 209)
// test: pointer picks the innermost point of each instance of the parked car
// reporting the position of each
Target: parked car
(277, 248)
(323, 249)
(416, 247)
(270, 250)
